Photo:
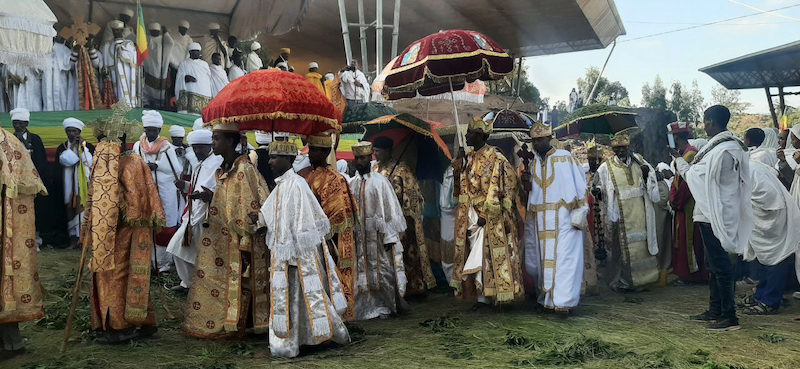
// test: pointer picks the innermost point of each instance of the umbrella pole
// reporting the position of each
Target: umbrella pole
(455, 113)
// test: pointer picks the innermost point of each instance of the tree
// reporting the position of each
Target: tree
(654, 97)
(527, 91)
(687, 105)
(606, 90)
(730, 99)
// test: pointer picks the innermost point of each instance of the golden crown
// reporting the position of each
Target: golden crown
(620, 140)
(283, 148)
(541, 129)
(478, 124)
(321, 140)
(363, 148)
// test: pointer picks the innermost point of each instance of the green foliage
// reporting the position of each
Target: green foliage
(771, 338)
(440, 324)
(686, 104)
(729, 98)
(606, 89)
(579, 349)
(654, 96)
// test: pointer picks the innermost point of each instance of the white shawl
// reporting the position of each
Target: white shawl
(218, 79)
(382, 212)
(731, 217)
(197, 69)
(775, 215)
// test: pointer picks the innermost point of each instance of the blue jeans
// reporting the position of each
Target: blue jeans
(720, 278)
(772, 282)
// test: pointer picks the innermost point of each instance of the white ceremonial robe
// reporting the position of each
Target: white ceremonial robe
(156, 69)
(554, 228)
(24, 87)
(629, 209)
(253, 62)
(59, 81)
(303, 312)
(448, 205)
(203, 175)
(235, 72)
(193, 96)
(218, 79)
(118, 58)
(721, 186)
(69, 160)
(180, 49)
(764, 155)
(775, 218)
(213, 45)
(127, 33)
(380, 274)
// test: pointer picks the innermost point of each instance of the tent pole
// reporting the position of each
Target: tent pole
(378, 35)
(395, 28)
(772, 108)
(588, 99)
(91, 10)
(363, 36)
(519, 76)
(455, 113)
(345, 32)
(781, 101)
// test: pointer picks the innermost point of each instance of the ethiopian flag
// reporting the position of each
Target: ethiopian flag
(142, 51)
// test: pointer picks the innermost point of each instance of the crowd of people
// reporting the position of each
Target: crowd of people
(178, 74)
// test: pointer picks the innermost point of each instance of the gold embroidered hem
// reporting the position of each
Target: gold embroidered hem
(488, 181)
(192, 102)
(20, 287)
(231, 282)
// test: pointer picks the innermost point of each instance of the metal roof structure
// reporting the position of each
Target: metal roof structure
(775, 67)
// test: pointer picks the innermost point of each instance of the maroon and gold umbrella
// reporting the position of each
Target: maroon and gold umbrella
(444, 62)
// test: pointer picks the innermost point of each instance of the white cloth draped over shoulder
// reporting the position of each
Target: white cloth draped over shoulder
(219, 79)
(649, 193)
(198, 69)
(156, 67)
(554, 228)
(59, 82)
(215, 44)
(253, 62)
(203, 175)
(118, 58)
(721, 186)
(164, 176)
(180, 51)
(235, 72)
(775, 217)
(766, 152)
(69, 160)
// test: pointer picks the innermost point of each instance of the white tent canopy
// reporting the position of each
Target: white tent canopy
(26, 32)
(245, 19)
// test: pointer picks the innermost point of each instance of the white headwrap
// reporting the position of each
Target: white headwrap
(73, 123)
(177, 131)
(155, 26)
(341, 166)
(116, 24)
(199, 137)
(127, 11)
(21, 114)
(313, 65)
(198, 124)
(213, 26)
(195, 46)
(263, 138)
(184, 24)
(282, 64)
(255, 46)
(152, 118)
(770, 139)
(329, 77)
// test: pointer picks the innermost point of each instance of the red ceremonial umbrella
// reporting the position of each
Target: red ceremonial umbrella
(445, 61)
(274, 100)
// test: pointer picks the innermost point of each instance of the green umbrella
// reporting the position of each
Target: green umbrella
(360, 114)
(597, 119)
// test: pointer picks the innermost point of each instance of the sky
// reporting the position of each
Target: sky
(676, 56)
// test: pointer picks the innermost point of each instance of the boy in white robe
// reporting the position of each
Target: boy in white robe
(301, 271)
(380, 273)
(59, 82)
(556, 221)
(219, 79)
(193, 83)
(719, 178)
(237, 69)
(775, 238)
(160, 156)
(183, 245)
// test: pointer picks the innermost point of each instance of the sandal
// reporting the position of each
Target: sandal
(760, 309)
(747, 302)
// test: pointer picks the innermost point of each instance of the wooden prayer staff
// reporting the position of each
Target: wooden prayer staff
(76, 291)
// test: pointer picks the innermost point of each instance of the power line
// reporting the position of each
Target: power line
(709, 24)
(762, 10)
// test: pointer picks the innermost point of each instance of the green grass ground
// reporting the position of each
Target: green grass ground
(643, 330)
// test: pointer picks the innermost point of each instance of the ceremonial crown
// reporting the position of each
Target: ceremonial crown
(322, 140)
(620, 140)
(478, 124)
(117, 125)
(363, 148)
(678, 127)
(225, 127)
(285, 148)
(541, 129)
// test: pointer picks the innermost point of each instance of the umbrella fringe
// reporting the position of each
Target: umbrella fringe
(334, 123)
(456, 78)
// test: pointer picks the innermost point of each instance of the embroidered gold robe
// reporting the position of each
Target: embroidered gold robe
(123, 211)
(20, 289)
(488, 187)
(415, 254)
(334, 195)
(231, 281)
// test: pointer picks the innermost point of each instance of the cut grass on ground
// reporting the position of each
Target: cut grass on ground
(607, 332)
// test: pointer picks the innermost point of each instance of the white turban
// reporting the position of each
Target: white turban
(329, 77)
(152, 118)
(116, 24)
(194, 46)
(177, 131)
(255, 46)
(282, 64)
(663, 166)
(213, 26)
(184, 24)
(263, 138)
(73, 123)
(155, 26)
(127, 11)
(198, 124)
(341, 166)
(199, 137)
(313, 65)
(21, 114)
